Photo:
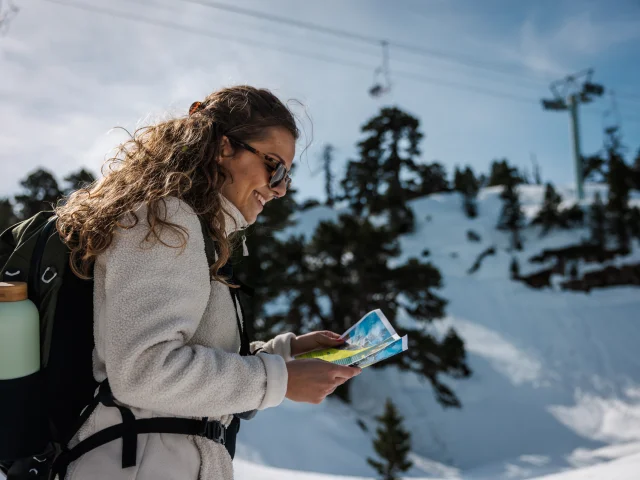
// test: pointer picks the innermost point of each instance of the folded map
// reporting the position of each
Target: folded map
(369, 341)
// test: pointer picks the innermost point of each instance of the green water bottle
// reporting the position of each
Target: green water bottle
(19, 332)
(22, 421)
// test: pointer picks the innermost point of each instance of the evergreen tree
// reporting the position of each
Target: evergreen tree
(41, 193)
(618, 180)
(573, 216)
(467, 184)
(471, 187)
(77, 180)
(502, 173)
(594, 168)
(514, 268)
(573, 271)
(344, 272)
(634, 222)
(635, 172)
(432, 178)
(470, 206)
(458, 180)
(597, 221)
(7, 216)
(511, 217)
(393, 444)
(327, 160)
(383, 178)
(472, 184)
(549, 215)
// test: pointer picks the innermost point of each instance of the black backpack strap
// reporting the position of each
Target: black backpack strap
(130, 427)
(209, 243)
(129, 436)
(245, 344)
(208, 429)
(227, 271)
(244, 338)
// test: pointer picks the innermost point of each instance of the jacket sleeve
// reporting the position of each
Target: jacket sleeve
(156, 296)
(280, 345)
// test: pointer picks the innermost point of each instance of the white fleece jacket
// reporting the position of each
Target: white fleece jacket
(167, 340)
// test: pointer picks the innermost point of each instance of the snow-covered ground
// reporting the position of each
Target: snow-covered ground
(556, 383)
(555, 391)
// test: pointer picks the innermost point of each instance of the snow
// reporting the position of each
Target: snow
(555, 391)
(555, 385)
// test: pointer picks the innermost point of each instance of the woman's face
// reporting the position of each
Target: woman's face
(248, 185)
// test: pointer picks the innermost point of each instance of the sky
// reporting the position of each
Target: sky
(473, 73)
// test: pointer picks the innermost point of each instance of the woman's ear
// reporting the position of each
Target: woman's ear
(225, 149)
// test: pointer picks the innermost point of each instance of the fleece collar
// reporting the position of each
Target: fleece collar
(233, 218)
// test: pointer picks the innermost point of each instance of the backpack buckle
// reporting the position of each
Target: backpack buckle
(215, 431)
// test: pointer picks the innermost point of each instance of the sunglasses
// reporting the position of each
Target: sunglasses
(276, 167)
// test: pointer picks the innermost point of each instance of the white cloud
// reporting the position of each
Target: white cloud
(577, 38)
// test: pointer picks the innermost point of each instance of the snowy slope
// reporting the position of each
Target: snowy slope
(556, 374)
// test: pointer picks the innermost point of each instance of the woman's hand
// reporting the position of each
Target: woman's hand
(314, 341)
(311, 380)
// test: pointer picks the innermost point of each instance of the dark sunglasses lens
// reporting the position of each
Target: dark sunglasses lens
(278, 175)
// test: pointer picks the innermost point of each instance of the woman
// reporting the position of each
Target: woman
(166, 326)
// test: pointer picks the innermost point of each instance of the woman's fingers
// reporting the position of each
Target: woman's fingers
(345, 372)
(329, 338)
(335, 336)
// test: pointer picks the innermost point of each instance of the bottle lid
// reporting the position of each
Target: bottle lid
(13, 291)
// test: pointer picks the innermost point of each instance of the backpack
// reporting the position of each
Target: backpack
(37, 428)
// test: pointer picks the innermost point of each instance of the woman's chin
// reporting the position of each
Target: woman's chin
(250, 215)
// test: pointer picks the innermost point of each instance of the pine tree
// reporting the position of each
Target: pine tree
(594, 168)
(634, 222)
(514, 268)
(470, 206)
(345, 271)
(383, 178)
(549, 215)
(77, 180)
(327, 160)
(511, 217)
(471, 183)
(7, 216)
(573, 216)
(41, 193)
(618, 204)
(458, 180)
(573, 271)
(466, 183)
(393, 444)
(432, 178)
(471, 187)
(635, 169)
(597, 221)
(502, 173)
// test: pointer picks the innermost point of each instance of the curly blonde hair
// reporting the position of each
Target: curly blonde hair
(174, 158)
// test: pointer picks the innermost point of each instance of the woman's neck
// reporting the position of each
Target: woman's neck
(233, 218)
